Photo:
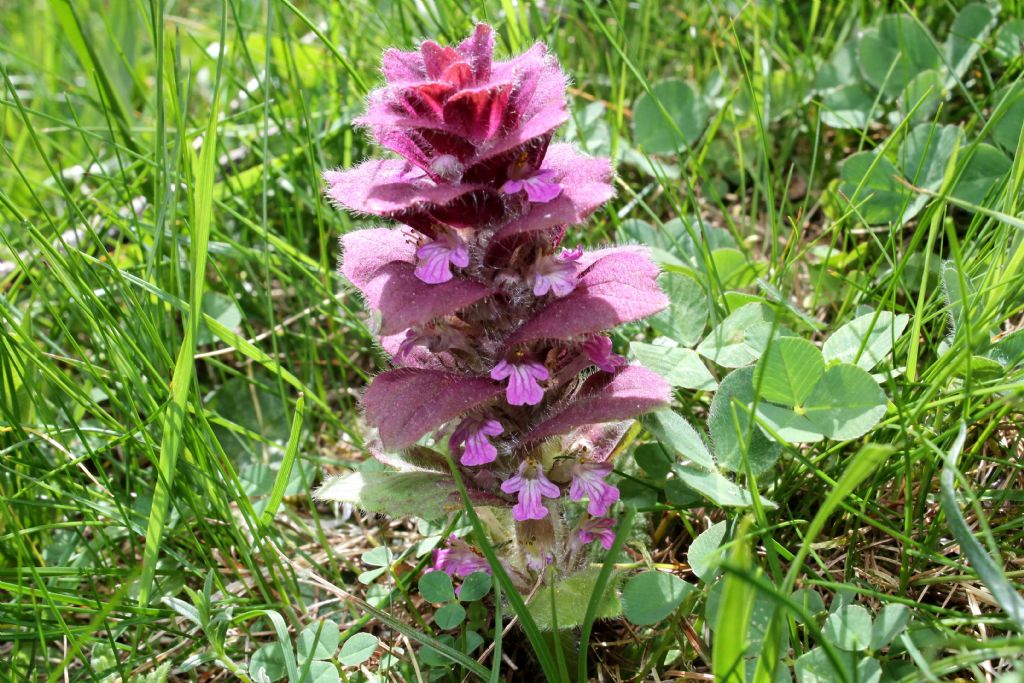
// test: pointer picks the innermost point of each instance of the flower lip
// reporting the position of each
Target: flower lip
(532, 486)
(523, 387)
(473, 433)
(599, 529)
(459, 559)
(436, 258)
(599, 350)
(554, 274)
(539, 185)
(588, 481)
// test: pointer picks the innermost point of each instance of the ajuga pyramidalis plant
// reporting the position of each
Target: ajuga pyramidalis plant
(495, 326)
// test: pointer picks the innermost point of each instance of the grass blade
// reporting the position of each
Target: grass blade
(988, 570)
(202, 174)
(284, 473)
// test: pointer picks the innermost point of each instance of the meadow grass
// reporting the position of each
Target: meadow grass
(180, 361)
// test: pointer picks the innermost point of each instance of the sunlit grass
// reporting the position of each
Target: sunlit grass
(160, 157)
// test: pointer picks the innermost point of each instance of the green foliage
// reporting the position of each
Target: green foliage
(180, 363)
(706, 552)
(651, 596)
(572, 596)
(669, 117)
(436, 587)
(423, 494)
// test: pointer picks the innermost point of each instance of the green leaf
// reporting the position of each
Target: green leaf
(716, 488)
(637, 493)
(184, 610)
(656, 133)
(319, 640)
(926, 152)
(846, 403)
(967, 35)
(983, 175)
(989, 571)
(816, 667)
(654, 460)
(270, 660)
(1008, 351)
(320, 672)
(705, 553)
(809, 600)
(380, 556)
(680, 367)
(889, 623)
(679, 437)
(221, 308)
(736, 440)
(922, 96)
(450, 616)
(742, 337)
(840, 70)
(475, 587)
(789, 370)
(357, 649)
(734, 269)
(964, 307)
(850, 107)
(787, 424)
(865, 340)
(687, 313)
(428, 495)
(869, 183)
(1010, 40)
(436, 587)
(849, 628)
(572, 596)
(896, 51)
(651, 596)
(734, 613)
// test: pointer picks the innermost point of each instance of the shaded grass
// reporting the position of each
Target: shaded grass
(104, 108)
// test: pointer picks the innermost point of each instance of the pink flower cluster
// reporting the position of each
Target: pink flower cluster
(497, 331)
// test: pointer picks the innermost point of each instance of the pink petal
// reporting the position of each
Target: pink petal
(522, 388)
(540, 189)
(599, 350)
(586, 185)
(407, 403)
(378, 263)
(620, 287)
(632, 391)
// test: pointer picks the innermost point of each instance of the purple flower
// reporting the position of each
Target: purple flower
(597, 528)
(588, 480)
(523, 387)
(486, 196)
(539, 185)
(555, 274)
(531, 485)
(599, 350)
(459, 559)
(435, 258)
(473, 432)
